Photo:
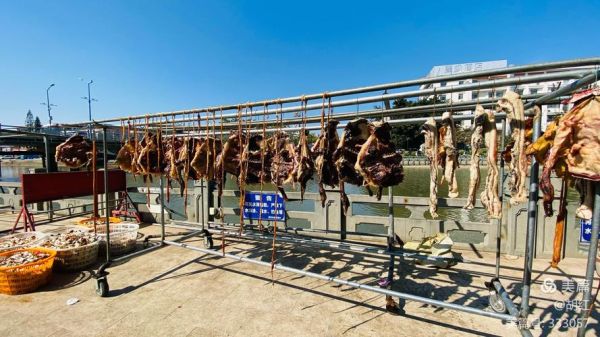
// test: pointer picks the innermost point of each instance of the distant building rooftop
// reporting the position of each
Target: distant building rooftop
(453, 69)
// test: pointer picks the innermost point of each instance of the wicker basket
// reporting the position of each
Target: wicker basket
(123, 237)
(39, 238)
(76, 259)
(28, 277)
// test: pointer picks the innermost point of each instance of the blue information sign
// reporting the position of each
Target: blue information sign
(270, 205)
(586, 231)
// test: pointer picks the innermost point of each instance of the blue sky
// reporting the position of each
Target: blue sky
(151, 56)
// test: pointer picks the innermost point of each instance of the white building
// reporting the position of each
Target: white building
(473, 95)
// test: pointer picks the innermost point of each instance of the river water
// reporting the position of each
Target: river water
(12, 173)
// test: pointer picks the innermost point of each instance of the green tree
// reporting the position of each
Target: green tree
(37, 124)
(29, 120)
(408, 136)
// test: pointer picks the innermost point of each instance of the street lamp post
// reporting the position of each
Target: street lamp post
(48, 104)
(89, 99)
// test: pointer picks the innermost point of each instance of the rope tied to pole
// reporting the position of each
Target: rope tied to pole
(278, 116)
(263, 147)
(147, 169)
(221, 181)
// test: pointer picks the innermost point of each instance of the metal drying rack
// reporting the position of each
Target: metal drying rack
(583, 72)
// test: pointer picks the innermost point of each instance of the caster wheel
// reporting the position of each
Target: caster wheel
(496, 303)
(208, 242)
(102, 287)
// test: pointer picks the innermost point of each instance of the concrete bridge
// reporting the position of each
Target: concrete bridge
(43, 142)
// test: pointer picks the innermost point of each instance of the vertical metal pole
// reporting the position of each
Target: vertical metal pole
(531, 224)
(106, 206)
(48, 104)
(89, 97)
(391, 228)
(391, 232)
(162, 209)
(89, 101)
(204, 224)
(589, 272)
(343, 222)
(48, 170)
(501, 196)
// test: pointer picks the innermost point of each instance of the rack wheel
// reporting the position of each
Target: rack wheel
(496, 303)
(102, 287)
(208, 242)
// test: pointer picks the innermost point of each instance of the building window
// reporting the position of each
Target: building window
(442, 84)
(519, 91)
(460, 96)
(461, 82)
(490, 94)
(553, 107)
(475, 95)
(533, 91)
(499, 93)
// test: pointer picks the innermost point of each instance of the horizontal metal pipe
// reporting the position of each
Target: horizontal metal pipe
(381, 87)
(137, 253)
(587, 79)
(510, 306)
(328, 243)
(499, 116)
(564, 75)
(363, 113)
(352, 284)
(458, 106)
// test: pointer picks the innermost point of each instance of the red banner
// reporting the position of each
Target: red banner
(40, 187)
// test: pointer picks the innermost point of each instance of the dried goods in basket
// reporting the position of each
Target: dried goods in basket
(24, 270)
(75, 249)
(123, 237)
(20, 240)
(89, 222)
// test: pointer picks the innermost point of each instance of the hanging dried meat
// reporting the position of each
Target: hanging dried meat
(127, 156)
(74, 152)
(284, 161)
(228, 161)
(323, 149)
(448, 153)
(540, 150)
(354, 136)
(253, 169)
(173, 148)
(378, 161)
(476, 144)
(430, 132)
(512, 105)
(205, 158)
(151, 157)
(489, 197)
(186, 154)
(576, 142)
(306, 166)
